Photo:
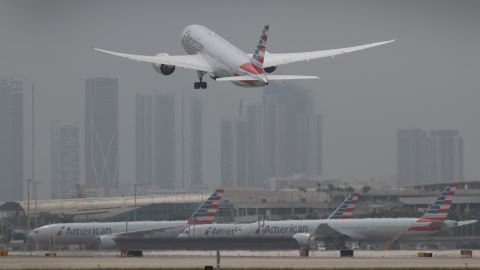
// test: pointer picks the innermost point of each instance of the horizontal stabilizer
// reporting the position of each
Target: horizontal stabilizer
(466, 222)
(268, 77)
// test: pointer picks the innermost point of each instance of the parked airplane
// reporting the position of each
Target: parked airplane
(373, 229)
(210, 53)
(103, 233)
(343, 211)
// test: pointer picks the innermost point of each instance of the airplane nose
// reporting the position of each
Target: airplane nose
(30, 237)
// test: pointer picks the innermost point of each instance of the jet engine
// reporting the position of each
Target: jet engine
(304, 239)
(106, 242)
(164, 69)
(270, 69)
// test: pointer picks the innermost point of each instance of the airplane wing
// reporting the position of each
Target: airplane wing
(324, 230)
(149, 232)
(195, 61)
(277, 59)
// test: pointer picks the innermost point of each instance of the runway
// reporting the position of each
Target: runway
(240, 259)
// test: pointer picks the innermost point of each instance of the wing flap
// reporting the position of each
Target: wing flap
(195, 62)
(276, 59)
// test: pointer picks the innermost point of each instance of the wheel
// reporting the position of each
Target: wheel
(203, 85)
(196, 85)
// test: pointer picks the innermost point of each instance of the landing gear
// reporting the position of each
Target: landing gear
(200, 83)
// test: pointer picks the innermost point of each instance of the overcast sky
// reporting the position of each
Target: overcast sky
(429, 78)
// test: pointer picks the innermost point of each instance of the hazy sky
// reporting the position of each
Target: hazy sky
(429, 78)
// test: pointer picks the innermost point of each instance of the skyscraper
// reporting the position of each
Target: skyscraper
(144, 142)
(447, 153)
(64, 159)
(412, 157)
(165, 141)
(101, 134)
(429, 159)
(11, 139)
(227, 146)
(196, 143)
(279, 137)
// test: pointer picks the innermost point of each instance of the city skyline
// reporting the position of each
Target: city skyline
(426, 79)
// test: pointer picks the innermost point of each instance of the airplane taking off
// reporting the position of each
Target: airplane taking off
(210, 53)
(103, 233)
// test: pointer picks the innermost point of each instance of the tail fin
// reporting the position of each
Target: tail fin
(439, 209)
(259, 54)
(345, 210)
(206, 212)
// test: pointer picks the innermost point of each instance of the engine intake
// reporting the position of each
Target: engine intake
(106, 242)
(164, 69)
(270, 69)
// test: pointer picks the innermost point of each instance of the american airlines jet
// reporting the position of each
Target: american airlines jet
(373, 229)
(343, 211)
(102, 233)
(210, 53)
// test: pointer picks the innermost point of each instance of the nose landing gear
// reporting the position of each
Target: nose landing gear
(200, 83)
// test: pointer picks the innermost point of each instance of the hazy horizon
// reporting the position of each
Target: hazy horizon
(426, 79)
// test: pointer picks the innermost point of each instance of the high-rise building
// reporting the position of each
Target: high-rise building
(446, 149)
(164, 137)
(64, 159)
(196, 143)
(240, 153)
(429, 159)
(144, 142)
(227, 146)
(280, 137)
(11, 139)
(101, 134)
(411, 156)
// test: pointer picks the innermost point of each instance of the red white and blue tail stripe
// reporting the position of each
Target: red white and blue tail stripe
(205, 214)
(259, 54)
(439, 209)
(345, 210)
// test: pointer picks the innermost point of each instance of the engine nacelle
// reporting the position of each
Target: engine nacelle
(164, 69)
(303, 239)
(270, 69)
(106, 242)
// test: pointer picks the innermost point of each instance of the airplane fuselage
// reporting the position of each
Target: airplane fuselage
(375, 229)
(85, 233)
(225, 59)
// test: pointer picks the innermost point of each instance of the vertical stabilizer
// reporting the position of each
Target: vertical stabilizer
(259, 54)
(345, 210)
(205, 214)
(439, 209)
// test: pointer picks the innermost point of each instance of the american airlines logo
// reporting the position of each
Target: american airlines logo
(88, 231)
(290, 229)
(212, 231)
(188, 40)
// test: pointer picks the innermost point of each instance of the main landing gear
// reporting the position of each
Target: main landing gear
(200, 83)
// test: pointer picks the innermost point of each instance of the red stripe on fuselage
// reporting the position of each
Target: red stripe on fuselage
(425, 229)
(432, 219)
(250, 68)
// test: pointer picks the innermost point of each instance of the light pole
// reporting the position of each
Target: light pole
(135, 203)
(28, 202)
